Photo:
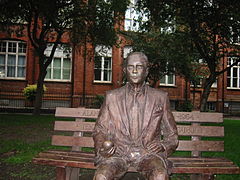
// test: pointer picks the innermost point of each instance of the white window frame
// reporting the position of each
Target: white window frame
(231, 61)
(166, 80)
(59, 53)
(103, 52)
(16, 54)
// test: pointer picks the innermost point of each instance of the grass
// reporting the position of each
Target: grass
(23, 136)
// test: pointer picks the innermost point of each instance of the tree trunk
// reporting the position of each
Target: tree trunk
(206, 92)
(204, 98)
(40, 91)
(186, 89)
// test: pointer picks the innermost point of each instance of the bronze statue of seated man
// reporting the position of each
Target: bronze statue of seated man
(135, 127)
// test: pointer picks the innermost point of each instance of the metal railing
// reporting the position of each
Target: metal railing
(12, 99)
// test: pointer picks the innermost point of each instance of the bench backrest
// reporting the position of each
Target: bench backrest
(192, 126)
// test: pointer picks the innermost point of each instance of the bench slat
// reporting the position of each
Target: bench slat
(187, 165)
(81, 156)
(176, 159)
(179, 116)
(200, 146)
(183, 130)
(197, 116)
(74, 126)
(67, 157)
(206, 170)
(205, 131)
(72, 153)
(77, 113)
(60, 140)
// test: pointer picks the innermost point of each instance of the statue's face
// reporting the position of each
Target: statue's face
(136, 70)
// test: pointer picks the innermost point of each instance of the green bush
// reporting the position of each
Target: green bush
(98, 101)
(31, 90)
(186, 106)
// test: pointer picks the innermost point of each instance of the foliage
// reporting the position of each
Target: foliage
(98, 101)
(186, 106)
(30, 91)
(167, 52)
(212, 27)
(47, 21)
(94, 21)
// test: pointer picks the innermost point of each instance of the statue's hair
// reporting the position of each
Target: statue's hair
(141, 55)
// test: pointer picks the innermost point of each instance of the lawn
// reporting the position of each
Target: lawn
(23, 136)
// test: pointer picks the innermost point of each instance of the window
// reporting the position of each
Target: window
(211, 106)
(103, 64)
(13, 59)
(233, 74)
(168, 80)
(197, 83)
(132, 17)
(60, 67)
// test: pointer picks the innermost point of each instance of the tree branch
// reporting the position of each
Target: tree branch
(229, 67)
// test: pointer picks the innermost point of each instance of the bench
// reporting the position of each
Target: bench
(193, 127)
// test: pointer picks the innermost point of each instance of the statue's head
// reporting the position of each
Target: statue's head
(136, 68)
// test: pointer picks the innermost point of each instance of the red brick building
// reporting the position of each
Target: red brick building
(71, 77)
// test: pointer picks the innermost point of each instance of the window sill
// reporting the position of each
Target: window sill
(103, 82)
(198, 86)
(56, 80)
(167, 85)
(12, 79)
(231, 88)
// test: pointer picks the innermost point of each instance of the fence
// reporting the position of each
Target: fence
(15, 101)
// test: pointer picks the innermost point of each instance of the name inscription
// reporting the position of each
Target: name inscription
(88, 113)
(183, 130)
(85, 126)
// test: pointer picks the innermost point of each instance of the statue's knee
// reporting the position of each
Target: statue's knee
(103, 174)
(159, 175)
(100, 177)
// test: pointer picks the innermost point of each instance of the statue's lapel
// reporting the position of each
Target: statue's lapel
(149, 105)
(124, 122)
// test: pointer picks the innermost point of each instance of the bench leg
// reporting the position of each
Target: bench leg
(202, 177)
(60, 173)
(72, 173)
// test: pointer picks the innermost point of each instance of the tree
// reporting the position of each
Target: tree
(46, 21)
(167, 52)
(212, 26)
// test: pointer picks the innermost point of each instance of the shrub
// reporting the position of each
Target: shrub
(98, 101)
(30, 91)
(186, 106)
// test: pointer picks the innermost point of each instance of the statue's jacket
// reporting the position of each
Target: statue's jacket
(158, 124)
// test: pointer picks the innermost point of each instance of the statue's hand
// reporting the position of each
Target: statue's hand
(155, 147)
(108, 149)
